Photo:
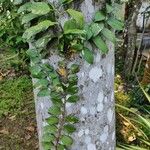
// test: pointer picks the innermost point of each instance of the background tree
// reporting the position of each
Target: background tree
(131, 14)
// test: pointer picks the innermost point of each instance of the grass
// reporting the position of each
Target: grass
(17, 108)
(14, 93)
(132, 115)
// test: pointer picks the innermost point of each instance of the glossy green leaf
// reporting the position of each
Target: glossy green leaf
(109, 35)
(35, 70)
(61, 147)
(73, 79)
(40, 8)
(41, 83)
(69, 128)
(37, 28)
(88, 55)
(75, 31)
(44, 92)
(109, 8)
(32, 53)
(99, 16)
(47, 67)
(42, 42)
(52, 120)
(47, 137)
(24, 7)
(72, 89)
(17, 2)
(47, 146)
(74, 68)
(70, 24)
(55, 110)
(115, 24)
(66, 1)
(78, 16)
(55, 95)
(73, 99)
(50, 129)
(35, 60)
(89, 32)
(77, 47)
(71, 119)
(101, 45)
(55, 82)
(28, 17)
(53, 75)
(96, 28)
(67, 140)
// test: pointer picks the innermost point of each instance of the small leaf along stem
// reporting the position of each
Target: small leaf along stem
(61, 124)
(63, 110)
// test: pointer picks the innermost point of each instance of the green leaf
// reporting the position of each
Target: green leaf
(17, 2)
(50, 129)
(78, 16)
(47, 146)
(71, 119)
(96, 28)
(67, 140)
(47, 67)
(89, 32)
(74, 68)
(73, 99)
(109, 35)
(73, 79)
(70, 24)
(42, 42)
(44, 92)
(88, 55)
(55, 95)
(101, 45)
(109, 8)
(35, 70)
(55, 110)
(52, 120)
(24, 7)
(75, 31)
(61, 147)
(77, 47)
(99, 16)
(28, 17)
(66, 1)
(47, 137)
(115, 24)
(69, 128)
(55, 82)
(72, 89)
(32, 53)
(39, 8)
(41, 83)
(37, 28)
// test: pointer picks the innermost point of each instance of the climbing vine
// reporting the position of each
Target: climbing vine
(44, 29)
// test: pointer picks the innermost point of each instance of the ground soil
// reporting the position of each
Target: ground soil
(18, 129)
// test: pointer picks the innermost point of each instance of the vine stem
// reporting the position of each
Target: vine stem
(61, 124)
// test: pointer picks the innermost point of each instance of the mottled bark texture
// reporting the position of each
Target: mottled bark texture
(96, 129)
(131, 35)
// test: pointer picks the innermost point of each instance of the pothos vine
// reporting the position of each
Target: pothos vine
(43, 28)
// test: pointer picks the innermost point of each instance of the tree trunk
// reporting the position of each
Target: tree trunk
(132, 14)
(146, 77)
(96, 129)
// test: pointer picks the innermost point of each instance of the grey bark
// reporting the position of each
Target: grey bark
(96, 129)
